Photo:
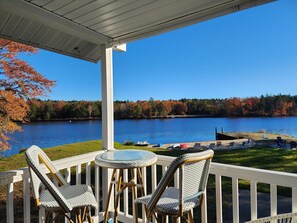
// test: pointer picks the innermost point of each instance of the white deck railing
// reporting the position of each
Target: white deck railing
(84, 163)
(67, 165)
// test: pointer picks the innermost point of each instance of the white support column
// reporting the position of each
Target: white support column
(107, 117)
(107, 98)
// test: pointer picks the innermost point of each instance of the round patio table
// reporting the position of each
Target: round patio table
(118, 160)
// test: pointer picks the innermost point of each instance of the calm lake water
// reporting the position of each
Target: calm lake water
(48, 134)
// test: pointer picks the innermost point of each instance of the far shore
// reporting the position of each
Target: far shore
(159, 117)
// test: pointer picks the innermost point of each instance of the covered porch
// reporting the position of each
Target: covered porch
(91, 30)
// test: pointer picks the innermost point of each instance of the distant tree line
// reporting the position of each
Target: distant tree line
(268, 106)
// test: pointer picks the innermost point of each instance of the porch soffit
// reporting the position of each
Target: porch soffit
(79, 27)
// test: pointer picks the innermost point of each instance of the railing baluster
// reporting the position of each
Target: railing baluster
(68, 175)
(78, 177)
(144, 180)
(254, 203)
(294, 200)
(135, 174)
(125, 194)
(219, 209)
(176, 179)
(154, 177)
(143, 170)
(176, 184)
(204, 208)
(42, 211)
(97, 189)
(154, 181)
(164, 168)
(273, 199)
(88, 173)
(9, 207)
(55, 182)
(26, 196)
(235, 200)
(41, 215)
(78, 174)
(68, 179)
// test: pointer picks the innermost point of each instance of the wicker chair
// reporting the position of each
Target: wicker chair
(58, 200)
(281, 218)
(178, 202)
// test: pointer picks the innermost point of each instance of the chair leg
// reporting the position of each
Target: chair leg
(190, 217)
(54, 217)
(47, 216)
(161, 218)
(150, 218)
(136, 214)
(174, 219)
(69, 219)
(140, 181)
(134, 192)
(90, 219)
(119, 185)
(59, 215)
(155, 216)
(84, 214)
(78, 216)
(109, 194)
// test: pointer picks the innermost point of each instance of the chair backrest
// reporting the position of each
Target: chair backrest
(193, 175)
(35, 157)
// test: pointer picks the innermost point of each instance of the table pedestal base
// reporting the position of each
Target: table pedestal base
(120, 187)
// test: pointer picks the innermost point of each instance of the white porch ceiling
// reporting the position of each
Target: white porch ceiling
(79, 27)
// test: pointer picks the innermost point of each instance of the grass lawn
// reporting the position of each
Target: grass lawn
(64, 151)
(263, 158)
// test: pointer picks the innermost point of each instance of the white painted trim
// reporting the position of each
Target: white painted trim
(120, 48)
(81, 57)
(254, 200)
(107, 116)
(219, 200)
(107, 98)
(253, 174)
(9, 204)
(38, 14)
(192, 18)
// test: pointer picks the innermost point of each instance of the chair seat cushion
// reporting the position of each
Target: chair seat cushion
(169, 202)
(76, 195)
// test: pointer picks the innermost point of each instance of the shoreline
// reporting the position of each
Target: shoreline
(237, 140)
(165, 117)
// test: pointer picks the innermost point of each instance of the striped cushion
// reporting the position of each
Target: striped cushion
(76, 195)
(169, 201)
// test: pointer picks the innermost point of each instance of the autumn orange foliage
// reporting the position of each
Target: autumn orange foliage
(18, 83)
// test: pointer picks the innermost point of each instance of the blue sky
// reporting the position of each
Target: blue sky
(243, 54)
